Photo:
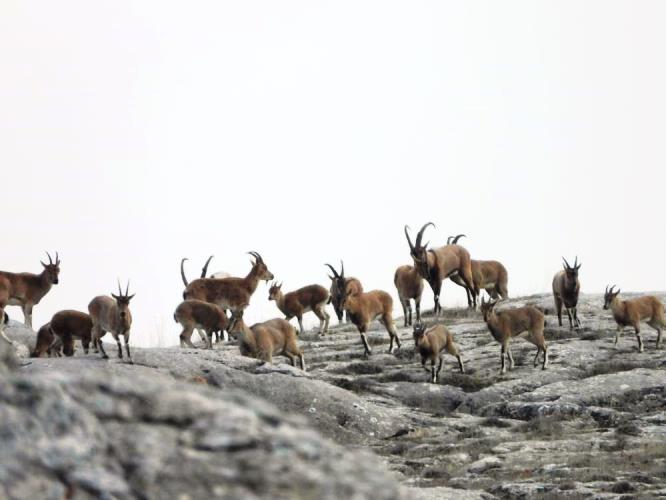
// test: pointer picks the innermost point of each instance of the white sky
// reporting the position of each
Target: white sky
(135, 133)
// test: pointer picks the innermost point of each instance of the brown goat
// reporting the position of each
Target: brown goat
(308, 298)
(204, 316)
(27, 289)
(341, 285)
(112, 315)
(566, 288)
(409, 284)
(441, 263)
(431, 344)
(265, 340)
(229, 293)
(363, 308)
(504, 325)
(65, 326)
(631, 312)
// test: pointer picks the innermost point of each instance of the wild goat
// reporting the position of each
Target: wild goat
(488, 275)
(229, 293)
(431, 344)
(409, 283)
(309, 298)
(341, 285)
(64, 328)
(204, 316)
(363, 308)
(264, 340)
(631, 312)
(112, 315)
(566, 288)
(441, 263)
(504, 325)
(27, 289)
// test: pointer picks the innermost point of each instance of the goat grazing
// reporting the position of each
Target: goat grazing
(566, 288)
(264, 340)
(341, 285)
(409, 283)
(631, 312)
(441, 263)
(27, 289)
(63, 329)
(504, 325)
(111, 315)
(309, 298)
(431, 344)
(363, 308)
(229, 293)
(204, 316)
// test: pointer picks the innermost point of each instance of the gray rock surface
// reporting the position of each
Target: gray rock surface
(592, 425)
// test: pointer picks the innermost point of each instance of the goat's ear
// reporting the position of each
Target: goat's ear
(115, 296)
(130, 297)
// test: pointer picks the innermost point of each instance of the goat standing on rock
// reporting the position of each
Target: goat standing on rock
(632, 312)
(504, 325)
(203, 316)
(441, 263)
(409, 284)
(363, 308)
(566, 288)
(26, 290)
(111, 315)
(431, 344)
(308, 298)
(341, 285)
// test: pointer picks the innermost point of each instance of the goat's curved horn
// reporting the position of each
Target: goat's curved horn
(411, 246)
(566, 263)
(50, 259)
(57, 259)
(342, 269)
(182, 271)
(335, 273)
(455, 240)
(127, 289)
(204, 269)
(419, 236)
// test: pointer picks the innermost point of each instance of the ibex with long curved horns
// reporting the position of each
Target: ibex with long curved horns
(340, 286)
(111, 315)
(440, 263)
(566, 288)
(27, 289)
(229, 293)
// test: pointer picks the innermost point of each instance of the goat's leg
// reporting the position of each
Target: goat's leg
(618, 330)
(366, 346)
(27, 315)
(637, 329)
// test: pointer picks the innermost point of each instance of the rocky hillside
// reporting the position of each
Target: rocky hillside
(197, 423)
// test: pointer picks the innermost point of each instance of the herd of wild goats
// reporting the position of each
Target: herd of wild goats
(206, 301)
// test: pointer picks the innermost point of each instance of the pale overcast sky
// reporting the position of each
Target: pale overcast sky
(134, 133)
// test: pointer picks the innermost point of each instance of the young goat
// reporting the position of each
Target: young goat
(631, 312)
(229, 293)
(440, 263)
(112, 315)
(339, 286)
(64, 328)
(409, 283)
(309, 298)
(264, 340)
(363, 308)
(566, 288)
(431, 344)
(509, 323)
(204, 316)
(27, 289)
